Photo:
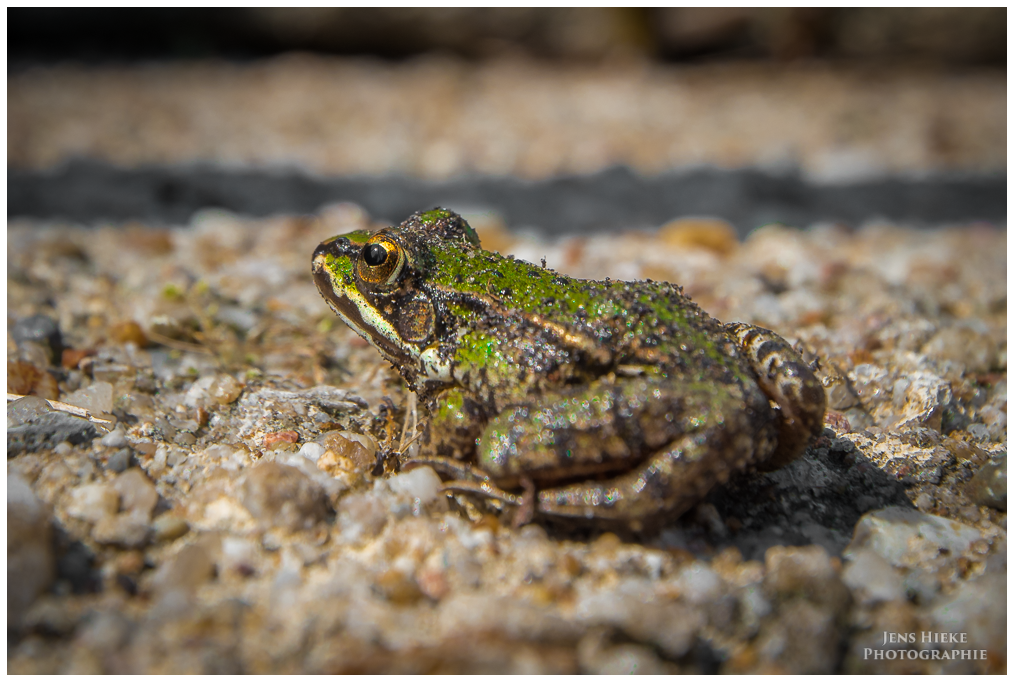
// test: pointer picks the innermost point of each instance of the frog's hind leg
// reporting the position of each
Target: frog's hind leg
(788, 381)
(667, 484)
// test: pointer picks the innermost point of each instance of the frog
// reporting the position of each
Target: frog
(607, 401)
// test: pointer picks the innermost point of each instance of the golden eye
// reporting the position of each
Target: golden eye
(380, 261)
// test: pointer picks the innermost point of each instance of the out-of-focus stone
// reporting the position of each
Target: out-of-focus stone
(807, 572)
(124, 530)
(40, 329)
(989, 484)
(362, 515)
(98, 397)
(871, 578)
(137, 493)
(26, 379)
(114, 439)
(167, 527)
(713, 234)
(979, 609)
(224, 390)
(280, 495)
(921, 397)
(93, 502)
(963, 344)
(128, 332)
(186, 571)
(48, 431)
(24, 410)
(421, 484)
(30, 564)
(904, 536)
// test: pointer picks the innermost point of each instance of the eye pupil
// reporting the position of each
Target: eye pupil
(374, 255)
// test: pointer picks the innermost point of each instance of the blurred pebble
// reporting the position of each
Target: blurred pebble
(137, 493)
(93, 502)
(128, 332)
(977, 608)
(24, 410)
(963, 344)
(805, 571)
(224, 389)
(167, 527)
(280, 495)
(114, 439)
(124, 530)
(713, 234)
(899, 535)
(421, 483)
(871, 578)
(97, 398)
(280, 440)
(119, 461)
(989, 484)
(39, 329)
(312, 451)
(30, 564)
(27, 379)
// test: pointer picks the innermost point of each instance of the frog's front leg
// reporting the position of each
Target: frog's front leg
(788, 381)
(454, 426)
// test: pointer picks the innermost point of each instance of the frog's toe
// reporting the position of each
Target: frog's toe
(788, 381)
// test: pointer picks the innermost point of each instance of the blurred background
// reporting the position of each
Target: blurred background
(562, 120)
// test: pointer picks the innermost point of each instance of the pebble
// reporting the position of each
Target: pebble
(713, 234)
(902, 536)
(128, 332)
(24, 410)
(362, 515)
(25, 378)
(97, 398)
(989, 484)
(979, 608)
(224, 389)
(124, 530)
(420, 484)
(93, 502)
(30, 561)
(312, 451)
(190, 567)
(120, 460)
(137, 493)
(167, 527)
(871, 578)
(698, 584)
(280, 495)
(114, 439)
(804, 571)
(39, 329)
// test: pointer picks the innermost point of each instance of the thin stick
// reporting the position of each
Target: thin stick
(65, 407)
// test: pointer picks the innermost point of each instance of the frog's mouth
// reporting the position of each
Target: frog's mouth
(333, 274)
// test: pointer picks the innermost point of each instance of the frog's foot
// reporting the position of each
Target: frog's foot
(664, 486)
(790, 383)
(465, 478)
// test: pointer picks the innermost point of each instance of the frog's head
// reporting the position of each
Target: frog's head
(374, 281)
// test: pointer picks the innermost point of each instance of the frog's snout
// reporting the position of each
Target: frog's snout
(336, 248)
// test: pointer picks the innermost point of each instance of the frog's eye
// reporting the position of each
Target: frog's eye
(380, 261)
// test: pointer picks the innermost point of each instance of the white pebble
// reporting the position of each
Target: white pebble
(312, 451)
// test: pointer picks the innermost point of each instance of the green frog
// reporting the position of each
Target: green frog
(603, 400)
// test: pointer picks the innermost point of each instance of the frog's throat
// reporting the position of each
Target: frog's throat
(364, 319)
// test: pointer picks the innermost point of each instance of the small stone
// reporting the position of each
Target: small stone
(186, 571)
(698, 584)
(93, 502)
(128, 332)
(224, 389)
(24, 410)
(137, 493)
(280, 495)
(124, 530)
(39, 329)
(362, 515)
(421, 484)
(904, 536)
(114, 439)
(713, 234)
(989, 484)
(804, 571)
(348, 451)
(870, 577)
(24, 378)
(167, 527)
(280, 440)
(312, 451)
(978, 608)
(71, 358)
(30, 564)
(120, 460)
(97, 398)
(397, 587)
(48, 431)
(963, 344)
(197, 395)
